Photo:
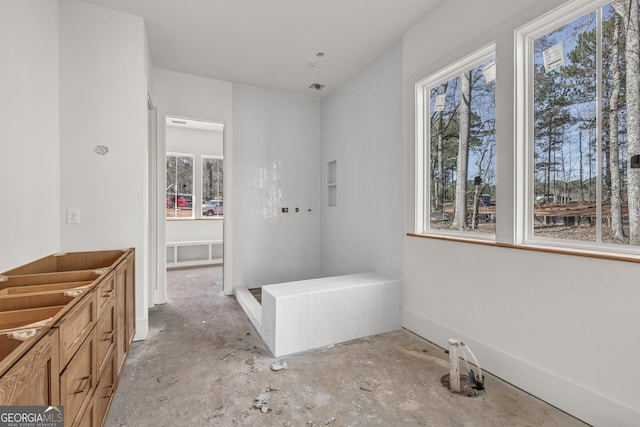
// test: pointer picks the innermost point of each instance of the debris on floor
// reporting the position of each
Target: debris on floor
(262, 401)
(466, 387)
(329, 421)
(206, 376)
(366, 386)
(277, 366)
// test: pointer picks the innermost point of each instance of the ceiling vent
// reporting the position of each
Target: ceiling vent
(317, 86)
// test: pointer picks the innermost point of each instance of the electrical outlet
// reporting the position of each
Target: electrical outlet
(73, 216)
(285, 210)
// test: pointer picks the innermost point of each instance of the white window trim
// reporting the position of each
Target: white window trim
(523, 112)
(422, 131)
(193, 177)
(202, 200)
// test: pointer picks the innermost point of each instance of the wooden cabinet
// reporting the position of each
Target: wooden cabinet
(33, 379)
(104, 392)
(125, 319)
(106, 335)
(78, 380)
(121, 328)
(88, 417)
(76, 326)
(66, 326)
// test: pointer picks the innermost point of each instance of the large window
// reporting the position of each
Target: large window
(456, 148)
(582, 135)
(179, 197)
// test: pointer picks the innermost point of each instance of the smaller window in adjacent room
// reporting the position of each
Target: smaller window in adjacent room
(456, 148)
(581, 132)
(179, 186)
(212, 186)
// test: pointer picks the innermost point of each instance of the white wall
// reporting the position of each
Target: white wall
(182, 95)
(194, 230)
(29, 131)
(103, 101)
(362, 131)
(276, 164)
(550, 324)
(198, 141)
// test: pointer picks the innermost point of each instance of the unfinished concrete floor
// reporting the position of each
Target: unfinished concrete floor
(203, 364)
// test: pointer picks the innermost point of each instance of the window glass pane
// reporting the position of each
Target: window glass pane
(462, 151)
(212, 186)
(179, 185)
(565, 144)
(582, 177)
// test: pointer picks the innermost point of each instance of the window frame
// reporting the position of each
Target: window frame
(524, 111)
(202, 158)
(193, 173)
(422, 185)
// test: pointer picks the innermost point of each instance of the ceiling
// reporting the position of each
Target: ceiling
(275, 44)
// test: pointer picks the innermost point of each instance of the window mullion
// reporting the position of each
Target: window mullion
(599, 162)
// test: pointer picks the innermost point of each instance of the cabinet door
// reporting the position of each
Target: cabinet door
(33, 380)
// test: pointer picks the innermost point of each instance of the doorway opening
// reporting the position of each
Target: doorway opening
(194, 193)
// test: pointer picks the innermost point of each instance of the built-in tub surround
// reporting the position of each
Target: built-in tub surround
(307, 314)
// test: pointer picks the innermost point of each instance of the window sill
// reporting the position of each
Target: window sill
(546, 249)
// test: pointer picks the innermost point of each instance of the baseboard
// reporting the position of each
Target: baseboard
(584, 404)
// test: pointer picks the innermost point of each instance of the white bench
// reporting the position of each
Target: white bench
(193, 253)
(307, 314)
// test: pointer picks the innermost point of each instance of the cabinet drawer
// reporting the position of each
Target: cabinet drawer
(104, 392)
(106, 335)
(105, 292)
(75, 327)
(78, 380)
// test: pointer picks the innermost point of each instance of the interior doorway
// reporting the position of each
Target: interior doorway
(193, 193)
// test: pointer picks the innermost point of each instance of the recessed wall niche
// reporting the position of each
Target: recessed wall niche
(332, 184)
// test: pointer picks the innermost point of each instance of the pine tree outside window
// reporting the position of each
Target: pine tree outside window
(579, 124)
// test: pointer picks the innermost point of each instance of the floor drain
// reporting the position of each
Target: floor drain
(465, 387)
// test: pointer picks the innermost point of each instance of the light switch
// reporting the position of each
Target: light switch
(73, 216)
